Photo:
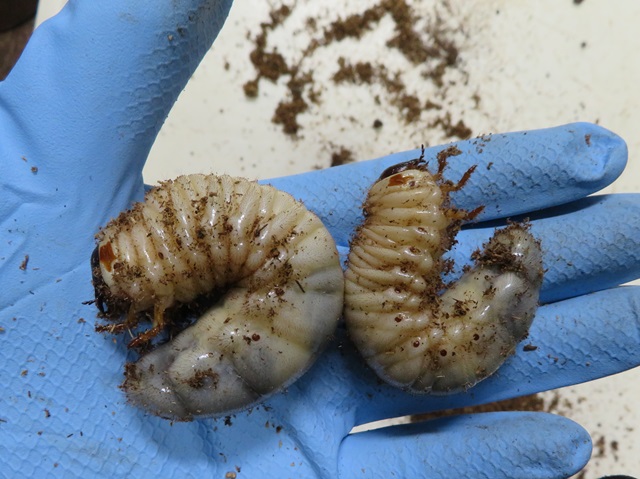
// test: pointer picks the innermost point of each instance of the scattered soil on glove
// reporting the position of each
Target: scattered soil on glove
(429, 48)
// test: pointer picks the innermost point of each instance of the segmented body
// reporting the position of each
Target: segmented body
(271, 261)
(415, 332)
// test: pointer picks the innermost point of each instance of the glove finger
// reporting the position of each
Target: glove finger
(516, 173)
(588, 245)
(93, 87)
(570, 342)
(491, 445)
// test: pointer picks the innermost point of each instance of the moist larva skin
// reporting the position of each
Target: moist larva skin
(273, 264)
(414, 331)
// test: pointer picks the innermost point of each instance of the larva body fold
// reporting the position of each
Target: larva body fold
(414, 331)
(271, 266)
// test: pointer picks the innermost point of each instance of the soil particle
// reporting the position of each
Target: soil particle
(342, 157)
(425, 41)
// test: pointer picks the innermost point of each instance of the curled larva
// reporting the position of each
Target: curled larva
(260, 272)
(414, 331)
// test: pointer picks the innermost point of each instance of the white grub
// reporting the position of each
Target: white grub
(414, 331)
(271, 266)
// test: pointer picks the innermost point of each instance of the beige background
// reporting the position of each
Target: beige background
(522, 65)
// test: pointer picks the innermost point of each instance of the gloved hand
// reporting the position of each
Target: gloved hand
(78, 116)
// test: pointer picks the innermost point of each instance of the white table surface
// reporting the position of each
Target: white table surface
(531, 64)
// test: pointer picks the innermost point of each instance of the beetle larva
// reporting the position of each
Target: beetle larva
(272, 265)
(414, 331)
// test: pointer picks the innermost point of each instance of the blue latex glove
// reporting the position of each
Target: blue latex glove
(84, 105)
